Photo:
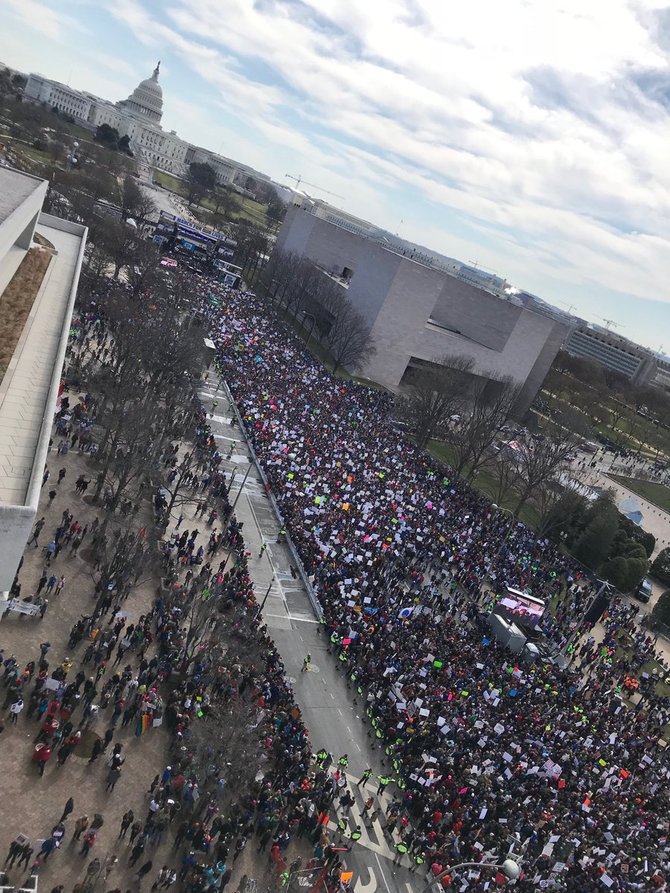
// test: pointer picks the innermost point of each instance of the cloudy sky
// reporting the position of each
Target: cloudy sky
(530, 137)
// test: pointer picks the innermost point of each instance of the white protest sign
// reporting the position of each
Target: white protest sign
(15, 604)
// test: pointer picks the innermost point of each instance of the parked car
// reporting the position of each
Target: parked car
(643, 590)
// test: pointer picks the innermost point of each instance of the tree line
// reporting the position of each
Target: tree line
(300, 290)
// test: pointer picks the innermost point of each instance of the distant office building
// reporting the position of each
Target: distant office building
(662, 377)
(139, 118)
(420, 313)
(29, 385)
(613, 352)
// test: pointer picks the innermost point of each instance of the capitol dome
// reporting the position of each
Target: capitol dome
(147, 99)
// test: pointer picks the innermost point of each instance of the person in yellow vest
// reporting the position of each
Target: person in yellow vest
(400, 850)
(384, 781)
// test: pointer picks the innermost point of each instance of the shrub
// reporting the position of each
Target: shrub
(661, 609)
(660, 566)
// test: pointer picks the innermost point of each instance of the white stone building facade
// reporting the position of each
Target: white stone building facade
(139, 118)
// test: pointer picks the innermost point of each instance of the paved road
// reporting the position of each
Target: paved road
(334, 717)
(165, 200)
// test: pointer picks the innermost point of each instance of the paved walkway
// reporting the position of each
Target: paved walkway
(654, 519)
(33, 805)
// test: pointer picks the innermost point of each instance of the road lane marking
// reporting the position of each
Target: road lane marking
(360, 887)
(382, 874)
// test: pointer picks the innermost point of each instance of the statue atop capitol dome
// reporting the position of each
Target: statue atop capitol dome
(146, 100)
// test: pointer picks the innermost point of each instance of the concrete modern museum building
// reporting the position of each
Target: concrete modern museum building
(419, 314)
(40, 263)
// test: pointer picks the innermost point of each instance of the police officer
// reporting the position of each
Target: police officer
(321, 755)
(364, 777)
(419, 859)
(343, 761)
(383, 780)
(400, 850)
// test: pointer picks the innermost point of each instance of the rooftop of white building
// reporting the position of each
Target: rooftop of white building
(15, 188)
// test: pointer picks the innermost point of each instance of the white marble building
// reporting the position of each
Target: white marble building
(139, 118)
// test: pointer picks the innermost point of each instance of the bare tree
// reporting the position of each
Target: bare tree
(200, 181)
(506, 476)
(252, 246)
(119, 241)
(226, 203)
(349, 339)
(97, 264)
(143, 386)
(492, 401)
(560, 511)
(305, 284)
(574, 420)
(437, 392)
(135, 202)
(540, 461)
(278, 272)
(144, 271)
(121, 559)
(178, 483)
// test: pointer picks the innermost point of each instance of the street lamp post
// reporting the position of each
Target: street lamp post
(239, 492)
(232, 479)
(510, 868)
(265, 598)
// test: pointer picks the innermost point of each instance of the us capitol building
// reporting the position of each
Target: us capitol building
(139, 118)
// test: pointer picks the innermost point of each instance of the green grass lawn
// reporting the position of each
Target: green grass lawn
(167, 181)
(484, 482)
(659, 494)
(630, 430)
(33, 160)
(250, 210)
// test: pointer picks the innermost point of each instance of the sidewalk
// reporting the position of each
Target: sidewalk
(37, 803)
(33, 805)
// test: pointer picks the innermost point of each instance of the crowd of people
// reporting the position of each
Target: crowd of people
(199, 660)
(490, 755)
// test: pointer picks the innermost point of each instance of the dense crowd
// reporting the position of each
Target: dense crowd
(199, 660)
(489, 754)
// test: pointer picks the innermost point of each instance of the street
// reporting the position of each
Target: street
(335, 719)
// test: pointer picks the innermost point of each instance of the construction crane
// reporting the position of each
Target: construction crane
(478, 266)
(610, 322)
(299, 180)
(570, 307)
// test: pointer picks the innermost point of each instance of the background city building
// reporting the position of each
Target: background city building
(29, 388)
(613, 352)
(419, 313)
(139, 118)
(662, 378)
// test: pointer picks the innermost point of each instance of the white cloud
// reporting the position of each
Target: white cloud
(40, 17)
(526, 123)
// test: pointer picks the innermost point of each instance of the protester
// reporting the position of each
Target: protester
(399, 551)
